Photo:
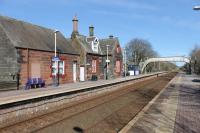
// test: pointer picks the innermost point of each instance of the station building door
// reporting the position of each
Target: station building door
(74, 71)
(82, 73)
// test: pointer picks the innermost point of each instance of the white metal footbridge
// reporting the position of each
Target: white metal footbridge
(166, 59)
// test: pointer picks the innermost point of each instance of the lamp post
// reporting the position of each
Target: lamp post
(195, 61)
(107, 61)
(55, 59)
(125, 62)
(55, 35)
(146, 66)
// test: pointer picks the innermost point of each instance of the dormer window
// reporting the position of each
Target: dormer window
(95, 45)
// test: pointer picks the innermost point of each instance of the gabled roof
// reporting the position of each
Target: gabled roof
(86, 45)
(111, 42)
(26, 35)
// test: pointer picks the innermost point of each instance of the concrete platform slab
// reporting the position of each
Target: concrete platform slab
(176, 109)
(21, 95)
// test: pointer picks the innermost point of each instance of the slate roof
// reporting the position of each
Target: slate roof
(112, 42)
(26, 35)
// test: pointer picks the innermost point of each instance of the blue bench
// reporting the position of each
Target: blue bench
(35, 83)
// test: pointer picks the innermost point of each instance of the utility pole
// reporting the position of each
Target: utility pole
(195, 61)
(125, 62)
(55, 59)
(107, 61)
(135, 58)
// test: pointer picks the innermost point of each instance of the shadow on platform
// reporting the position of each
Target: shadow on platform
(196, 80)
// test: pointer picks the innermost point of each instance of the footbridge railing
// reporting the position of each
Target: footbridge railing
(166, 59)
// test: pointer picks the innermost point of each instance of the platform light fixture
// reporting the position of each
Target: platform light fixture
(196, 8)
(124, 61)
(55, 35)
(56, 62)
(107, 63)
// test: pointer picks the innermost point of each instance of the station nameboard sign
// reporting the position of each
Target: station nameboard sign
(55, 59)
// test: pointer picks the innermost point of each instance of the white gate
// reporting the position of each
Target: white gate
(82, 74)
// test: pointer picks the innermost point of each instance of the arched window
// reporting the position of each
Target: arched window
(118, 49)
(94, 66)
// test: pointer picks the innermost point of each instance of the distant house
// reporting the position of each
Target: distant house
(91, 64)
(28, 49)
(114, 56)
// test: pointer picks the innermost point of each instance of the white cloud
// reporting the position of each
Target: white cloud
(166, 20)
(31, 2)
(125, 4)
(125, 15)
(182, 23)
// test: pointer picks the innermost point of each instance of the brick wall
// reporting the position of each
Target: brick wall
(117, 55)
(43, 59)
(99, 66)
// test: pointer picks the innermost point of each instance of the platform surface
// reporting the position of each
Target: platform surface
(20, 95)
(175, 110)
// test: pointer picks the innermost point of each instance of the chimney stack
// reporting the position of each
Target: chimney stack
(91, 30)
(75, 24)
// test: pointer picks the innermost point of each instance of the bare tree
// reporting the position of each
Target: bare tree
(139, 50)
(195, 59)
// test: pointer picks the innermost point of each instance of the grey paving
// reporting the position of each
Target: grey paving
(176, 110)
(188, 113)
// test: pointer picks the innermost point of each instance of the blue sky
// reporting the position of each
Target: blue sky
(171, 26)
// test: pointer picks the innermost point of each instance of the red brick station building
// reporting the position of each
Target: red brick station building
(27, 51)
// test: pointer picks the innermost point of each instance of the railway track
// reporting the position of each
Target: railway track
(108, 112)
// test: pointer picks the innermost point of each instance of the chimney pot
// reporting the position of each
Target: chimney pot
(75, 24)
(91, 30)
(111, 36)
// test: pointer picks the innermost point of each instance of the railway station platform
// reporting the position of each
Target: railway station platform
(12, 97)
(176, 109)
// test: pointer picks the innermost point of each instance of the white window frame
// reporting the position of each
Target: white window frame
(54, 66)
